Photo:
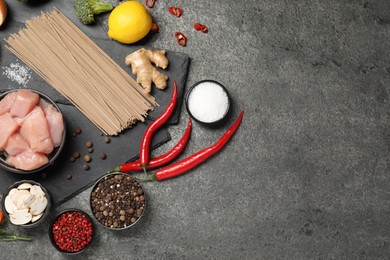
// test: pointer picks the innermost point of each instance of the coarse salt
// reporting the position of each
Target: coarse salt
(16, 72)
(208, 102)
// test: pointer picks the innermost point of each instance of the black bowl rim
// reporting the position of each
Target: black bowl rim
(58, 149)
(51, 238)
(90, 204)
(47, 210)
(223, 88)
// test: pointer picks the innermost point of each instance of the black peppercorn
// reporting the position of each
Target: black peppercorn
(113, 201)
(76, 155)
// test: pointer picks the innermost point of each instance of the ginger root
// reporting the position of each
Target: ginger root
(141, 65)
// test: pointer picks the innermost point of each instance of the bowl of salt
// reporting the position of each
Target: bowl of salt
(208, 102)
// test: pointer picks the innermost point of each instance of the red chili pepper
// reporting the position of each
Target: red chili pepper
(154, 28)
(160, 160)
(197, 158)
(157, 123)
(176, 11)
(150, 5)
(181, 38)
(200, 27)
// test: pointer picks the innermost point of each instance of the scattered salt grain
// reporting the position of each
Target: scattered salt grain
(208, 102)
(17, 72)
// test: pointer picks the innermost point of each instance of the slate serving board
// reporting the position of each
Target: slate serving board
(122, 148)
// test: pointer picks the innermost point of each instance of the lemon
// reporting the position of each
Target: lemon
(129, 22)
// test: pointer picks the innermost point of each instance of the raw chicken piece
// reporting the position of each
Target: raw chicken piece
(43, 104)
(24, 102)
(55, 121)
(35, 130)
(16, 144)
(8, 126)
(27, 160)
(6, 102)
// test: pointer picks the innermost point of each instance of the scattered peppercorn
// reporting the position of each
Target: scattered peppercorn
(77, 130)
(86, 167)
(69, 175)
(106, 139)
(113, 201)
(72, 231)
(90, 150)
(74, 134)
(72, 159)
(89, 144)
(87, 158)
(102, 156)
(76, 155)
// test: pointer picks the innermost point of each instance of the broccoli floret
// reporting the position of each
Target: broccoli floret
(86, 9)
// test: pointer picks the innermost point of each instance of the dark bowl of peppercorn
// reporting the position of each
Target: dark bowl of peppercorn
(117, 201)
(71, 231)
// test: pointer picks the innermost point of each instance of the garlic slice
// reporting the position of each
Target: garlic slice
(20, 211)
(20, 218)
(27, 201)
(36, 217)
(38, 205)
(12, 191)
(10, 207)
(37, 191)
(25, 186)
(19, 197)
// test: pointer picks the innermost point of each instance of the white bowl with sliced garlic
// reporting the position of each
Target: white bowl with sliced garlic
(26, 203)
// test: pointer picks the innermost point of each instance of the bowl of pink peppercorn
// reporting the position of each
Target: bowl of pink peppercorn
(72, 231)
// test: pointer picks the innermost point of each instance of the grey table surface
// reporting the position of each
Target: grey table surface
(307, 174)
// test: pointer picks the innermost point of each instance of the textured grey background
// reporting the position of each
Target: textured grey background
(307, 174)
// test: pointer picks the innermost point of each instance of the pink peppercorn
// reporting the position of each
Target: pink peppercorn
(72, 231)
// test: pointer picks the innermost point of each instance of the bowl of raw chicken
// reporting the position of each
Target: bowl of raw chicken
(32, 131)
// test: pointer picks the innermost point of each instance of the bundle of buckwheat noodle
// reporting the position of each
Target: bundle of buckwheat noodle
(73, 64)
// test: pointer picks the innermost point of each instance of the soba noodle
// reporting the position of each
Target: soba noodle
(66, 58)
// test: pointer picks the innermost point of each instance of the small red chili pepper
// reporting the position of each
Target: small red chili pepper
(156, 124)
(151, 4)
(160, 160)
(200, 27)
(154, 28)
(176, 11)
(181, 38)
(197, 158)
